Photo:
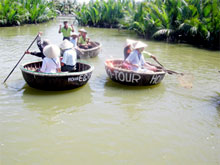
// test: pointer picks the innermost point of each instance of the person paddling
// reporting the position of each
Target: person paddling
(66, 30)
(40, 45)
(135, 61)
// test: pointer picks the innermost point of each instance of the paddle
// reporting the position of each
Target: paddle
(185, 80)
(166, 70)
(20, 59)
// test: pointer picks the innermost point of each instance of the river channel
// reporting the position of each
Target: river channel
(106, 123)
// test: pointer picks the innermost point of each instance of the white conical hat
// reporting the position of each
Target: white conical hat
(140, 44)
(82, 30)
(74, 34)
(130, 42)
(51, 51)
(66, 44)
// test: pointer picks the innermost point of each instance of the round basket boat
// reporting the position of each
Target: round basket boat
(89, 53)
(129, 77)
(56, 81)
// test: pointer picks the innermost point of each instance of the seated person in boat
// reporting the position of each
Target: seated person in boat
(40, 45)
(68, 62)
(129, 47)
(135, 61)
(66, 30)
(83, 41)
(74, 38)
(51, 63)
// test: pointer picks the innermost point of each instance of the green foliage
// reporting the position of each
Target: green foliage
(101, 13)
(196, 22)
(16, 12)
(65, 7)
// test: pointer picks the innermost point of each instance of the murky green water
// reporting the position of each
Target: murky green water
(105, 122)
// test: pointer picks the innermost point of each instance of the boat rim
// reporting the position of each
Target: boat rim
(61, 74)
(91, 49)
(130, 71)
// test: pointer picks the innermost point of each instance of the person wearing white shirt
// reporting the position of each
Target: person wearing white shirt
(73, 39)
(68, 62)
(51, 63)
(135, 61)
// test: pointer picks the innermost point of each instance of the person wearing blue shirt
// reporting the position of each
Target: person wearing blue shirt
(136, 61)
(73, 39)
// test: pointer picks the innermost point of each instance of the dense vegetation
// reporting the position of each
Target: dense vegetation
(66, 7)
(196, 22)
(16, 12)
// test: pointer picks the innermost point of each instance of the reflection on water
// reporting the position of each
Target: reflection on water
(51, 103)
(133, 99)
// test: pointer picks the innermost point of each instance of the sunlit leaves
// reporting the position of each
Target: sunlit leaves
(16, 12)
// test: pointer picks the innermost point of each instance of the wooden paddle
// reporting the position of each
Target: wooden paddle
(162, 67)
(185, 80)
(20, 59)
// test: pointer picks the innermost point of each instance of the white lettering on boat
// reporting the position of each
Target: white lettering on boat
(80, 78)
(156, 79)
(123, 76)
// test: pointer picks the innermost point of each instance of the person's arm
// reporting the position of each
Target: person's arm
(39, 44)
(59, 66)
(150, 55)
(38, 54)
(72, 28)
(59, 29)
(153, 57)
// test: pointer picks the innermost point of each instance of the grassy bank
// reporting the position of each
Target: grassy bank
(17, 12)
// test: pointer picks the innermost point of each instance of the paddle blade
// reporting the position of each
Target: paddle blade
(185, 80)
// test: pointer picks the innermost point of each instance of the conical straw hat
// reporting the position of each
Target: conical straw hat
(51, 51)
(130, 42)
(66, 44)
(82, 30)
(74, 34)
(139, 45)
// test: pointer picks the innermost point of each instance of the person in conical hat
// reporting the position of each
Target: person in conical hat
(68, 63)
(73, 39)
(135, 60)
(83, 41)
(82, 30)
(51, 63)
(66, 44)
(129, 47)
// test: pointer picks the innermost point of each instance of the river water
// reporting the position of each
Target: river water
(104, 122)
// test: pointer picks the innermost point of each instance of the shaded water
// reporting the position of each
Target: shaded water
(104, 122)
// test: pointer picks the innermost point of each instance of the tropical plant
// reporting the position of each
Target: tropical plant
(16, 12)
